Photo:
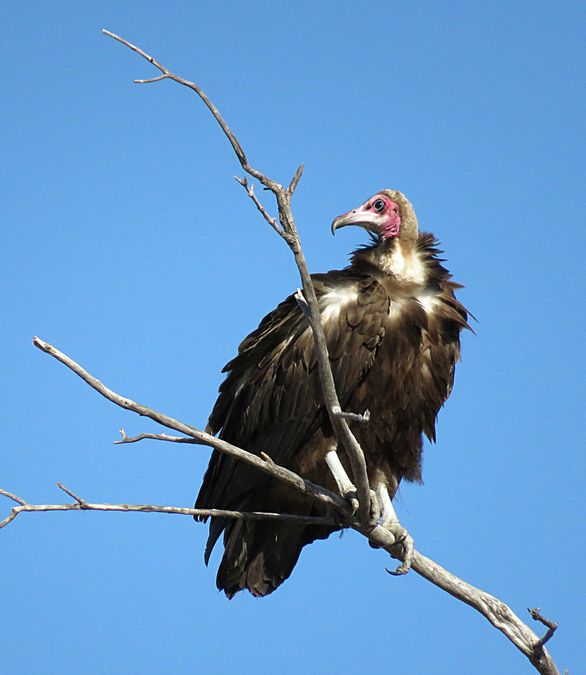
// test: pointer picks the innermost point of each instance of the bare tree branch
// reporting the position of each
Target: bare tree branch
(250, 192)
(12, 515)
(154, 437)
(67, 491)
(304, 486)
(81, 505)
(14, 498)
(289, 233)
(497, 612)
(212, 108)
(151, 79)
(500, 615)
(354, 417)
(295, 180)
(551, 625)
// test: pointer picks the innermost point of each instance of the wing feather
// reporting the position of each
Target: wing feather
(271, 398)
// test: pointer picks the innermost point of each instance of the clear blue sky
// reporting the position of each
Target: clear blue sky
(127, 243)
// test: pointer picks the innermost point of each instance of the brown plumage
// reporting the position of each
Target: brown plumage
(392, 326)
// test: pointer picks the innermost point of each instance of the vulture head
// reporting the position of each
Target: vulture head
(388, 214)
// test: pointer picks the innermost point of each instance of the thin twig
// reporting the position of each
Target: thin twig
(212, 108)
(14, 498)
(551, 625)
(354, 417)
(82, 505)
(295, 180)
(302, 303)
(155, 437)
(152, 79)
(249, 187)
(13, 513)
(67, 491)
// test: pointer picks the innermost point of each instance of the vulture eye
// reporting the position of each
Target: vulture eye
(378, 205)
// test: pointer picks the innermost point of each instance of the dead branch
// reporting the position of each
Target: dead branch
(154, 437)
(249, 187)
(81, 505)
(500, 615)
(497, 612)
(67, 491)
(202, 438)
(288, 231)
(551, 625)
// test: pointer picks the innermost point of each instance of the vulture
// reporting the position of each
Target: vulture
(392, 325)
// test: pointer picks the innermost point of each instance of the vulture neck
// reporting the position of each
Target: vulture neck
(397, 263)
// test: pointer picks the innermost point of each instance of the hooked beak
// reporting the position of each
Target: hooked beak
(361, 217)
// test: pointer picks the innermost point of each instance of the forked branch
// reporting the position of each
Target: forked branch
(287, 231)
(304, 486)
(497, 612)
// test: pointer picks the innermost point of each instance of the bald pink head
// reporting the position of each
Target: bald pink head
(379, 214)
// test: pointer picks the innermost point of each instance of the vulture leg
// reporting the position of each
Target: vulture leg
(390, 522)
(345, 486)
(389, 518)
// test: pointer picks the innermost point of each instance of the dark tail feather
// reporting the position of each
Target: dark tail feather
(217, 526)
(260, 555)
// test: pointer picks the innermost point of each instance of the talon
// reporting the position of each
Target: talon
(399, 572)
(404, 540)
